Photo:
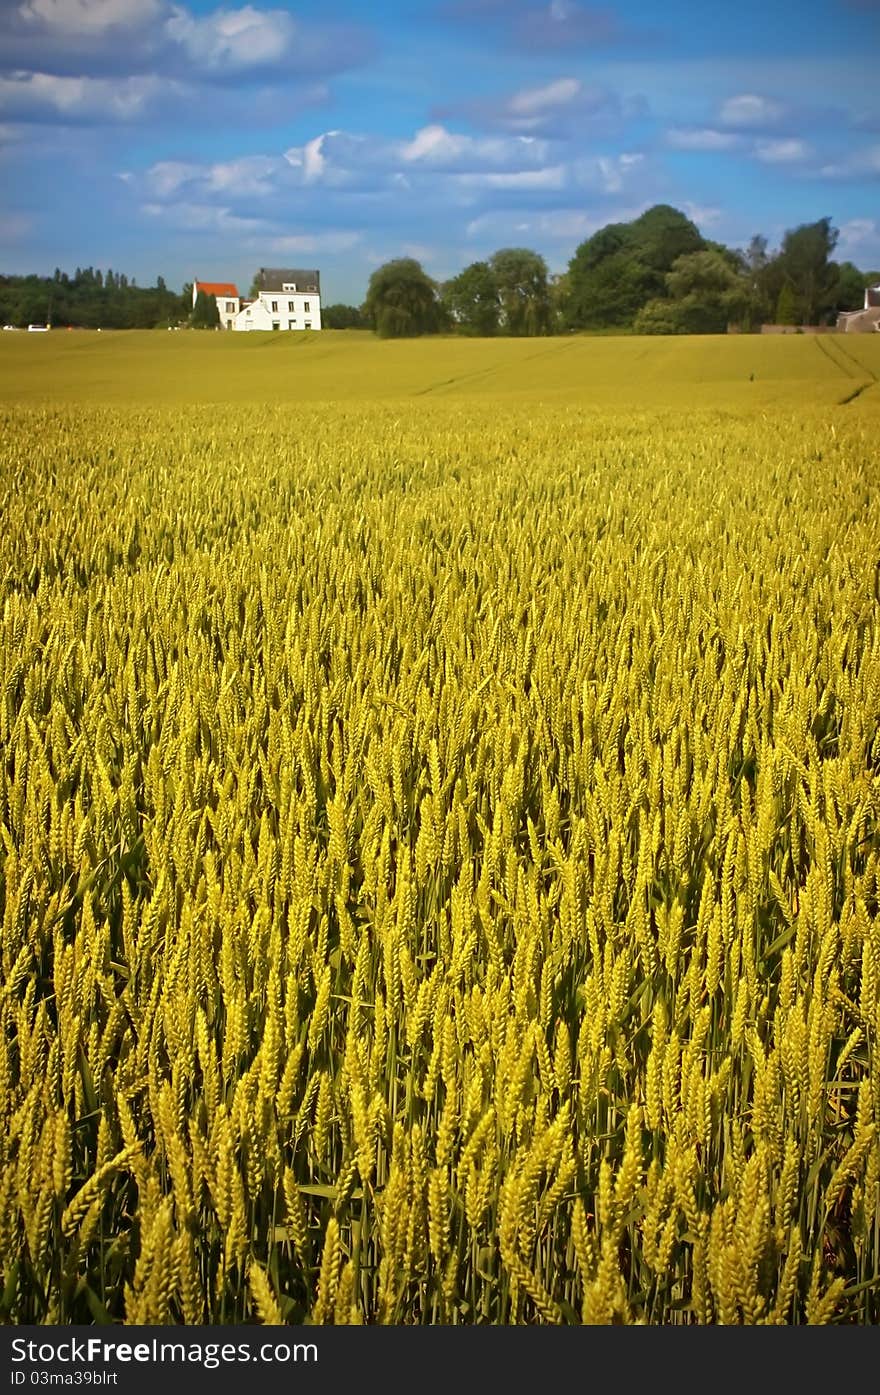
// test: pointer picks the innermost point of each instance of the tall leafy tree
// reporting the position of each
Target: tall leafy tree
(402, 300)
(704, 293)
(850, 292)
(205, 314)
(523, 290)
(622, 266)
(786, 305)
(472, 300)
(805, 258)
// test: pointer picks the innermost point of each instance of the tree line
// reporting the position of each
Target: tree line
(91, 299)
(654, 275)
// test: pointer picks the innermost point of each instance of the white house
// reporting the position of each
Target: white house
(864, 320)
(287, 298)
(227, 298)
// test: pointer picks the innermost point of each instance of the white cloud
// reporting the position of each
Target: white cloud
(704, 215)
(749, 110)
(328, 241)
(859, 232)
(567, 226)
(553, 177)
(782, 152)
(440, 148)
(609, 173)
(232, 39)
(89, 17)
(202, 217)
(535, 101)
(860, 164)
(701, 138)
(252, 176)
(36, 95)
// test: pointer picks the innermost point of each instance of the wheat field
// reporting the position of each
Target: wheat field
(439, 843)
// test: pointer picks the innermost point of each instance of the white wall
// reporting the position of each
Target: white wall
(285, 310)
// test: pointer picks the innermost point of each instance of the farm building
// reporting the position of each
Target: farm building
(864, 320)
(226, 295)
(288, 298)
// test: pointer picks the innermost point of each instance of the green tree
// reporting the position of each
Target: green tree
(707, 290)
(622, 266)
(342, 317)
(662, 234)
(806, 262)
(850, 292)
(402, 300)
(786, 305)
(523, 292)
(704, 293)
(205, 314)
(471, 300)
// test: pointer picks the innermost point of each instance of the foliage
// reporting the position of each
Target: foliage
(621, 267)
(850, 289)
(786, 305)
(89, 299)
(705, 293)
(342, 317)
(205, 314)
(523, 291)
(439, 844)
(805, 257)
(472, 300)
(402, 300)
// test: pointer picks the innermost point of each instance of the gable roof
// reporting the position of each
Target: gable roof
(217, 288)
(276, 278)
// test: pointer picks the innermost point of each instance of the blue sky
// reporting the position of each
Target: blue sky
(182, 139)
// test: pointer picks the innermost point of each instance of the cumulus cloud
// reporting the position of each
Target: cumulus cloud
(702, 138)
(47, 97)
(557, 26)
(559, 109)
(442, 149)
(79, 17)
(750, 111)
(704, 215)
(367, 180)
(859, 164)
(555, 225)
(782, 152)
(857, 234)
(127, 38)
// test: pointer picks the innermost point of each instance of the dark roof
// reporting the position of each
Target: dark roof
(275, 278)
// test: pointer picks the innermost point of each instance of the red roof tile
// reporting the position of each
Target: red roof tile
(217, 288)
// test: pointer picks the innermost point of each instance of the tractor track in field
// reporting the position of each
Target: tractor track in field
(494, 368)
(850, 363)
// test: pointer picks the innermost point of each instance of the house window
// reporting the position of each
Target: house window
(307, 306)
(229, 324)
(276, 324)
(248, 313)
(274, 307)
(308, 324)
(291, 324)
(288, 286)
(230, 307)
(291, 306)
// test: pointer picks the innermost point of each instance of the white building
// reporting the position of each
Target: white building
(864, 320)
(227, 298)
(287, 298)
